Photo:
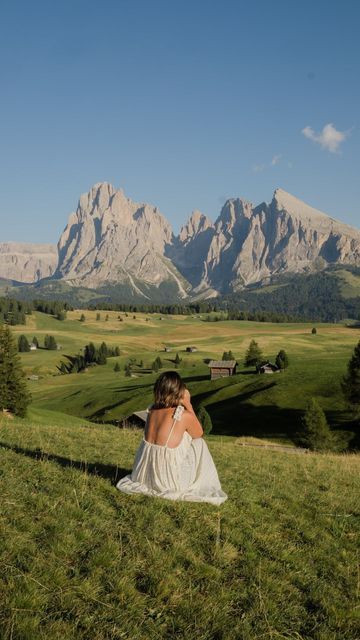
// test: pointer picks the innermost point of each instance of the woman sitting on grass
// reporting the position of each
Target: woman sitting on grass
(173, 461)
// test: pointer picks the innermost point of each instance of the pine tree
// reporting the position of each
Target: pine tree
(98, 317)
(177, 359)
(315, 433)
(52, 345)
(116, 367)
(204, 419)
(23, 344)
(314, 331)
(61, 315)
(102, 354)
(351, 381)
(14, 395)
(128, 370)
(281, 360)
(155, 366)
(82, 317)
(117, 351)
(35, 341)
(225, 356)
(253, 355)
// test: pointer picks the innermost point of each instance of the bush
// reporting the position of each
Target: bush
(205, 419)
(315, 433)
(314, 331)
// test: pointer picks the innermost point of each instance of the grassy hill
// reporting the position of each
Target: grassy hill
(80, 560)
(246, 404)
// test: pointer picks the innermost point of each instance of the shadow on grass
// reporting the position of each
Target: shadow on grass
(106, 471)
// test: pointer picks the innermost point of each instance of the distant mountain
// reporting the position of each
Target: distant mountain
(117, 247)
(248, 244)
(27, 262)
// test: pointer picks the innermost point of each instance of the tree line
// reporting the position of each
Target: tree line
(92, 356)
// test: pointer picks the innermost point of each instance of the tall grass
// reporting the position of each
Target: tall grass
(80, 560)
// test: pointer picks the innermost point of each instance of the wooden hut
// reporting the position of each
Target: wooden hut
(191, 349)
(267, 367)
(222, 368)
(136, 419)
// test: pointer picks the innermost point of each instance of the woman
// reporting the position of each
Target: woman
(173, 461)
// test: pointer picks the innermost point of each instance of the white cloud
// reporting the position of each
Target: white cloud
(329, 138)
(276, 159)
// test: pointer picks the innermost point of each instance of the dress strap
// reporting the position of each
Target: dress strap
(176, 417)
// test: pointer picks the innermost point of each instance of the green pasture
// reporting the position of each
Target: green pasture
(246, 404)
(79, 560)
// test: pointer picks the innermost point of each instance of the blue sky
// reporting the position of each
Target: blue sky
(182, 103)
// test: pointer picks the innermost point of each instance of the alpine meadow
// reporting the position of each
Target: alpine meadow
(180, 320)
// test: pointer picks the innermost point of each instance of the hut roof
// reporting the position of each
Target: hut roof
(141, 414)
(222, 364)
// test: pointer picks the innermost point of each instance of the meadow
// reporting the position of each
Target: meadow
(245, 404)
(79, 560)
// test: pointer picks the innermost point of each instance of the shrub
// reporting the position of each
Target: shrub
(204, 418)
(315, 433)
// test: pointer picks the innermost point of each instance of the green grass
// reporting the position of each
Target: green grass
(349, 283)
(247, 404)
(80, 560)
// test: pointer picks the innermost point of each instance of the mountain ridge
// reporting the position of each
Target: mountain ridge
(112, 240)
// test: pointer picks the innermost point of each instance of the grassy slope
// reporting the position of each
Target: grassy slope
(80, 560)
(268, 406)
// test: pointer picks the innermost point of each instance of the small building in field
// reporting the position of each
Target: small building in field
(137, 419)
(267, 367)
(222, 368)
(191, 349)
(167, 349)
(33, 346)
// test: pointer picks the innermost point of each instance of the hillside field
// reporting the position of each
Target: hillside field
(245, 404)
(79, 560)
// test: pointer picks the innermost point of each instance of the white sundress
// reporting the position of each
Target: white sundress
(186, 472)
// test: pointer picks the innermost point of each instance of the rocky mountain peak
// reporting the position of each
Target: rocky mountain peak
(197, 223)
(233, 211)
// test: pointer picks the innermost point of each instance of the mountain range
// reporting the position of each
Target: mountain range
(111, 241)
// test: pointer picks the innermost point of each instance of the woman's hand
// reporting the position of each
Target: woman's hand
(186, 400)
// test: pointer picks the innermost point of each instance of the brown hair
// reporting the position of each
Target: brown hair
(168, 390)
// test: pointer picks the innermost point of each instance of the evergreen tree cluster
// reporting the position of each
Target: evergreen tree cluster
(52, 307)
(228, 355)
(14, 395)
(13, 312)
(317, 297)
(50, 343)
(92, 356)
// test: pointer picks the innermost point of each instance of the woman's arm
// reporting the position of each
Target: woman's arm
(193, 426)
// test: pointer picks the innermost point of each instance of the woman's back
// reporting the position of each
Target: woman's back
(163, 430)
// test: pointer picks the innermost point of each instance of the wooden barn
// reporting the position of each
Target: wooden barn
(191, 349)
(222, 368)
